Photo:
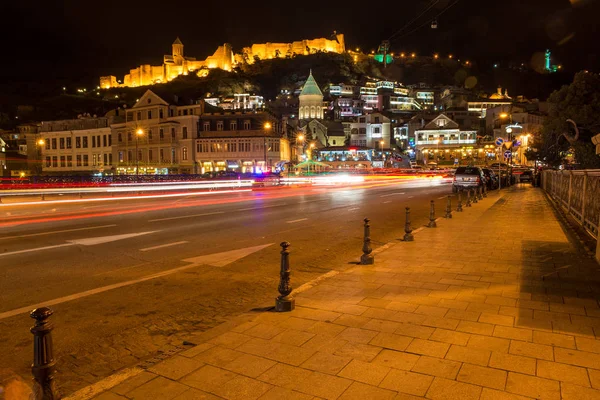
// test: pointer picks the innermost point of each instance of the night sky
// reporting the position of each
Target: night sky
(82, 40)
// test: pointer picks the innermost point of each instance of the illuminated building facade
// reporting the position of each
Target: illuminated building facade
(264, 51)
(370, 130)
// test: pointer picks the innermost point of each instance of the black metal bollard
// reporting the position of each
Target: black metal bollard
(459, 204)
(43, 197)
(367, 258)
(43, 367)
(468, 202)
(432, 223)
(448, 208)
(284, 302)
(408, 236)
(474, 201)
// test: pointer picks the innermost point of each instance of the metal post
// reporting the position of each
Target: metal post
(484, 190)
(43, 367)
(284, 302)
(367, 258)
(408, 236)
(459, 204)
(448, 208)
(137, 158)
(43, 197)
(475, 201)
(468, 203)
(432, 223)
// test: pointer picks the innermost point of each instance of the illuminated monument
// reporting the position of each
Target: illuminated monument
(176, 64)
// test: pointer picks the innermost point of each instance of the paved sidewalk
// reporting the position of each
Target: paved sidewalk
(495, 303)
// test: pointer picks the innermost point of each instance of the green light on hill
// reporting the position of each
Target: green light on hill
(379, 58)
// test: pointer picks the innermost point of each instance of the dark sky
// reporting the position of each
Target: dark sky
(81, 39)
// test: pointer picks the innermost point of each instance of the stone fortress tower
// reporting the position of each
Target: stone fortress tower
(311, 100)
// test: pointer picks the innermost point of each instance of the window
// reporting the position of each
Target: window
(98, 140)
(162, 155)
(105, 159)
(149, 134)
(69, 161)
(315, 131)
(150, 156)
(109, 158)
(376, 130)
(376, 120)
(149, 101)
(110, 140)
(173, 133)
(69, 143)
(55, 161)
(93, 159)
(362, 131)
(120, 156)
(48, 162)
(139, 115)
(119, 138)
(129, 155)
(104, 141)
(54, 143)
(129, 136)
(219, 125)
(361, 120)
(184, 132)
(206, 126)
(160, 113)
(334, 142)
(78, 160)
(184, 154)
(149, 114)
(233, 147)
(63, 161)
(233, 125)
(441, 122)
(94, 141)
(85, 142)
(139, 155)
(48, 144)
(247, 125)
(161, 133)
(173, 158)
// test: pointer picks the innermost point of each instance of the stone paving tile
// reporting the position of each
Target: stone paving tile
(242, 388)
(445, 389)
(325, 363)
(586, 344)
(509, 362)
(131, 383)
(230, 340)
(493, 394)
(407, 382)
(572, 329)
(482, 376)
(176, 367)
(110, 396)
(496, 319)
(594, 376)
(468, 355)
(416, 331)
(323, 385)
(360, 391)
(208, 378)
(507, 332)
(278, 393)
(452, 337)
(293, 337)
(325, 328)
(489, 343)
(381, 325)
(532, 386)
(534, 350)
(194, 351)
(574, 392)
(475, 327)
(284, 375)
(369, 373)
(437, 367)
(391, 341)
(554, 339)
(463, 315)
(159, 388)
(563, 373)
(396, 359)
(249, 365)
(428, 348)
(280, 352)
(356, 321)
(576, 357)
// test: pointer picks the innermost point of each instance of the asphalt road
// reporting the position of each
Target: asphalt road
(96, 264)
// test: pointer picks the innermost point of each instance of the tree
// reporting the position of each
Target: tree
(573, 119)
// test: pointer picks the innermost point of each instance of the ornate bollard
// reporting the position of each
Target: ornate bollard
(43, 369)
(468, 203)
(367, 258)
(475, 201)
(448, 208)
(459, 204)
(408, 236)
(432, 223)
(284, 302)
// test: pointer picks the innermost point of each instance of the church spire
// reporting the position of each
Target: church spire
(310, 86)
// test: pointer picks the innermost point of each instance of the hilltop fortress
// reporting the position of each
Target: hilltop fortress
(176, 64)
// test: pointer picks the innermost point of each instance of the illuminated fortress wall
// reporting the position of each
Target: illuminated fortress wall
(176, 64)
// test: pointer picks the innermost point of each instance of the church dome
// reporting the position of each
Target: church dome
(310, 87)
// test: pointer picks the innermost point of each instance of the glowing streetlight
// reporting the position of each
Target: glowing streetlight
(503, 115)
(267, 125)
(41, 142)
(138, 133)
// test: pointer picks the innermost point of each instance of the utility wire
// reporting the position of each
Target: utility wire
(433, 3)
(436, 17)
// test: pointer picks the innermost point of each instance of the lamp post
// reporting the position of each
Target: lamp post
(381, 142)
(39, 145)
(312, 146)
(138, 133)
(267, 127)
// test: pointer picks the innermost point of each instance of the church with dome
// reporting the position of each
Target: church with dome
(311, 100)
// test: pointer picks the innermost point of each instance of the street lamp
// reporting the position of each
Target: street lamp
(39, 144)
(267, 127)
(138, 133)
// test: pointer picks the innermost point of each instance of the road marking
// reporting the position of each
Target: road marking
(83, 242)
(443, 197)
(352, 209)
(297, 220)
(104, 385)
(410, 197)
(164, 245)
(63, 231)
(389, 201)
(186, 216)
(260, 208)
(217, 260)
(391, 194)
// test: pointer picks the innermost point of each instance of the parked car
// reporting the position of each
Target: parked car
(526, 176)
(467, 178)
(491, 178)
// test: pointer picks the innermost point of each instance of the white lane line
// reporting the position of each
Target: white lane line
(389, 201)
(410, 197)
(391, 194)
(38, 249)
(443, 197)
(260, 208)
(63, 231)
(164, 245)
(186, 216)
(297, 220)
(352, 209)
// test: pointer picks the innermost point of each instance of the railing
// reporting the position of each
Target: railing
(452, 141)
(578, 193)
